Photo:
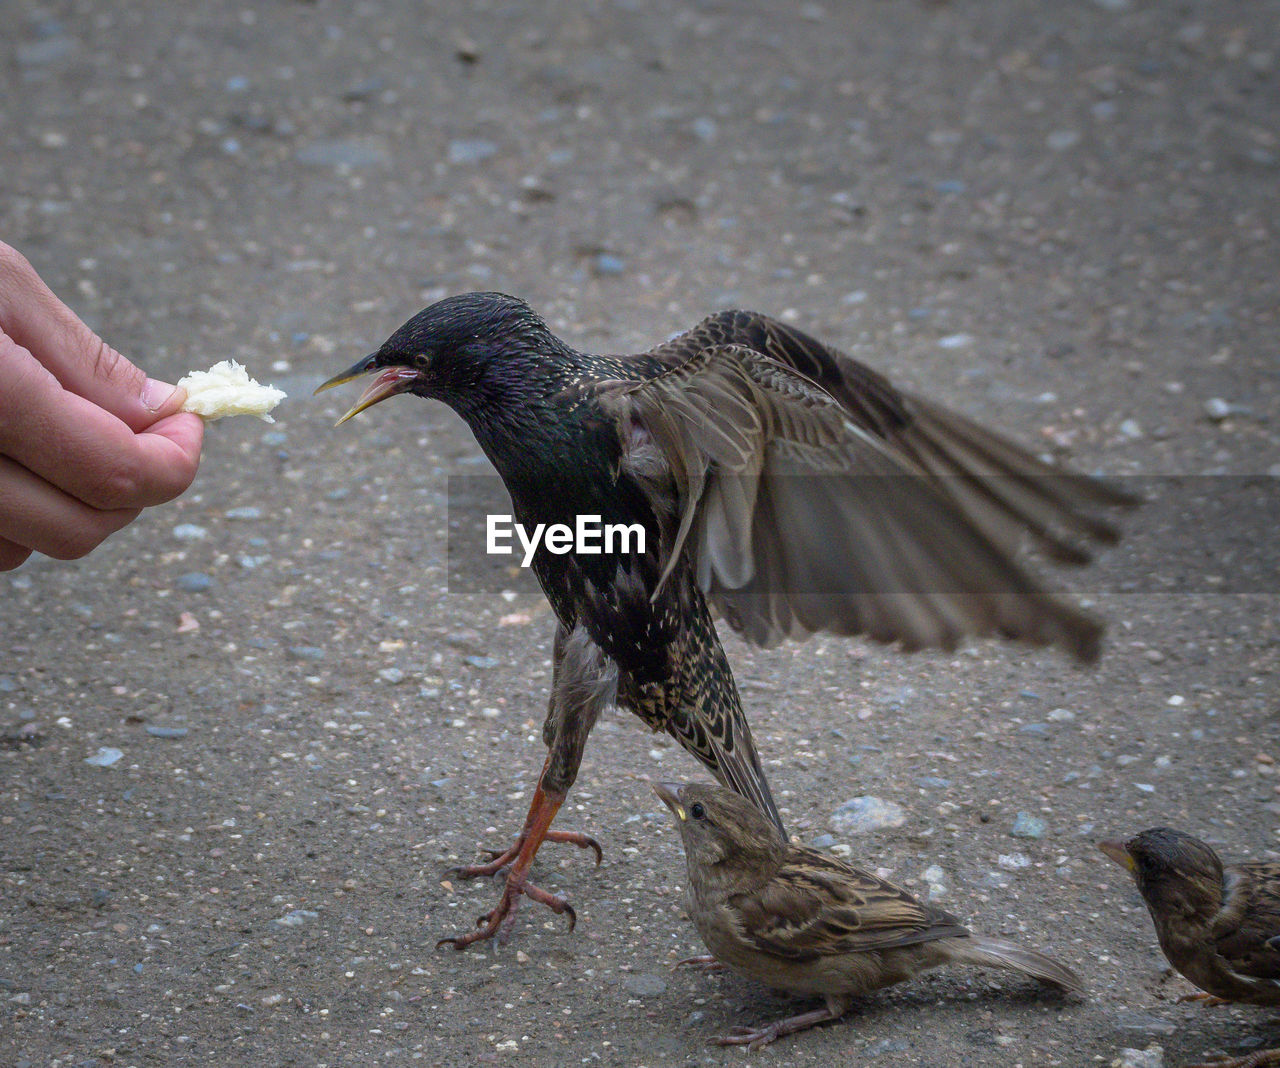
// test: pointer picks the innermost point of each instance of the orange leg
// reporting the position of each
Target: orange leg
(536, 830)
(1204, 999)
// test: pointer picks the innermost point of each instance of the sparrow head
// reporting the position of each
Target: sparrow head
(724, 834)
(1173, 870)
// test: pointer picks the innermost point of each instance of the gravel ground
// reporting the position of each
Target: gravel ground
(241, 743)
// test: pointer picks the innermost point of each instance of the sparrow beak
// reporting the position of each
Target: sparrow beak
(669, 794)
(1117, 852)
(390, 381)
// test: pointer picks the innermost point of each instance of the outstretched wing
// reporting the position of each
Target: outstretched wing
(814, 907)
(850, 509)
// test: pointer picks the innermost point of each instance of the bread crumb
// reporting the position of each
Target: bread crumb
(227, 389)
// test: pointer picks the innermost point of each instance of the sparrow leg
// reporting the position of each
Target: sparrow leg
(1257, 1059)
(583, 684)
(704, 963)
(756, 1037)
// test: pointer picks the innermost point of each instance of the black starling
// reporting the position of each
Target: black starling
(780, 484)
(801, 920)
(1218, 924)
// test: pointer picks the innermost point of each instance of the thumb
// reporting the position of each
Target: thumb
(84, 364)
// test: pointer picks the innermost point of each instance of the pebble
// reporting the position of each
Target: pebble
(860, 815)
(1062, 715)
(482, 662)
(104, 757)
(1145, 1024)
(296, 918)
(391, 675)
(7, 685)
(954, 341)
(823, 841)
(168, 732)
(1130, 429)
(644, 984)
(1026, 825)
(1013, 861)
(190, 532)
(351, 152)
(1151, 1057)
(1036, 730)
(194, 582)
(251, 511)
(471, 150)
(608, 264)
(1218, 409)
(306, 652)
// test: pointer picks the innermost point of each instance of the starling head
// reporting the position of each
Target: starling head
(727, 840)
(453, 349)
(1173, 870)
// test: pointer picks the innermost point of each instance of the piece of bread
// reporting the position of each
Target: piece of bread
(227, 389)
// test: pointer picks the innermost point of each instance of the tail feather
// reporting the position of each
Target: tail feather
(993, 953)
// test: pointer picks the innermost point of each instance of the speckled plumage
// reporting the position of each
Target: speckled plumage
(781, 486)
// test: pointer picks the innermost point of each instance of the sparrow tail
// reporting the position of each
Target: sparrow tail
(992, 953)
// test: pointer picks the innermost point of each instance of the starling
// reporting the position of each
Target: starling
(800, 920)
(780, 484)
(1219, 925)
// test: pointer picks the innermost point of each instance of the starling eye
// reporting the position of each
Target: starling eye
(697, 811)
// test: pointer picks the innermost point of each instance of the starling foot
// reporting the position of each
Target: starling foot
(536, 830)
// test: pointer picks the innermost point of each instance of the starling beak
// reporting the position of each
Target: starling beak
(390, 381)
(1216, 923)
(780, 485)
(801, 920)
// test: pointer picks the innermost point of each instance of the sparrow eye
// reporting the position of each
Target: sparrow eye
(697, 811)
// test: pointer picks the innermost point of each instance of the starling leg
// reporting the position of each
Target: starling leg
(756, 1037)
(583, 684)
(500, 860)
(499, 920)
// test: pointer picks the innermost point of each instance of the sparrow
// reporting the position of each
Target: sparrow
(803, 921)
(781, 486)
(1219, 925)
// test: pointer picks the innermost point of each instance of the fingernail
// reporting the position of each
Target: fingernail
(155, 394)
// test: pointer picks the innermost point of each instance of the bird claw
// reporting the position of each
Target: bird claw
(1208, 1000)
(500, 920)
(703, 963)
(499, 861)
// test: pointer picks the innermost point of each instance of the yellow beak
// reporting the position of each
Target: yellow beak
(1117, 852)
(390, 381)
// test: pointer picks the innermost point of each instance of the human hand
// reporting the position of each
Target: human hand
(86, 439)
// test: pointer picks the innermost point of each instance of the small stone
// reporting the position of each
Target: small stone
(954, 341)
(1062, 715)
(104, 757)
(1013, 861)
(1026, 825)
(471, 150)
(1036, 730)
(823, 841)
(1130, 429)
(296, 918)
(1146, 1025)
(391, 675)
(194, 582)
(644, 984)
(608, 264)
(482, 662)
(168, 732)
(861, 815)
(1061, 140)
(354, 152)
(247, 512)
(1151, 1057)
(190, 532)
(306, 652)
